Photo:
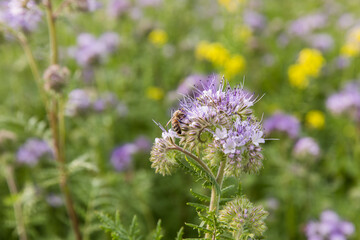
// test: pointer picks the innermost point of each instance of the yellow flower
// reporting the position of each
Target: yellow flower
(309, 64)
(158, 37)
(231, 5)
(243, 33)
(154, 93)
(215, 53)
(234, 65)
(315, 119)
(311, 61)
(297, 76)
(349, 50)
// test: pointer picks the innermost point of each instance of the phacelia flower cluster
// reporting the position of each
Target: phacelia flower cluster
(32, 151)
(283, 123)
(243, 217)
(91, 50)
(20, 16)
(330, 227)
(220, 122)
(347, 101)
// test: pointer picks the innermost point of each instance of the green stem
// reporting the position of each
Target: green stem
(52, 32)
(197, 159)
(57, 124)
(20, 225)
(215, 195)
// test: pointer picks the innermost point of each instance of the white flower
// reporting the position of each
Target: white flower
(257, 138)
(169, 134)
(229, 146)
(220, 133)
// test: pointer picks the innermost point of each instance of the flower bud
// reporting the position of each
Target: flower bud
(55, 78)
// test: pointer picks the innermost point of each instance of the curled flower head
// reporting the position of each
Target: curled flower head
(219, 121)
(243, 217)
(162, 158)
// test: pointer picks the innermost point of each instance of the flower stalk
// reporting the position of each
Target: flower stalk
(20, 224)
(56, 117)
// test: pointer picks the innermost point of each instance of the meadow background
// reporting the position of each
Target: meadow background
(140, 56)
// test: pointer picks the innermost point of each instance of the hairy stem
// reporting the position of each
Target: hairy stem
(197, 159)
(215, 195)
(56, 117)
(20, 225)
(52, 32)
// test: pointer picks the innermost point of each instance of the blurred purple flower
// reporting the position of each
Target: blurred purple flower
(143, 143)
(121, 157)
(149, 3)
(346, 20)
(330, 227)
(306, 147)
(280, 122)
(54, 200)
(189, 85)
(254, 20)
(79, 103)
(118, 7)
(90, 51)
(14, 14)
(308, 23)
(105, 101)
(323, 42)
(346, 101)
(32, 151)
(342, 62)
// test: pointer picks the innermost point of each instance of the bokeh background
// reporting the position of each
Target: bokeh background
(130, 61)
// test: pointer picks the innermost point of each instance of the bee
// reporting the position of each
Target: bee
(175, 120)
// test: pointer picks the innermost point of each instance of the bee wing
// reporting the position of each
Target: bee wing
(159, 125)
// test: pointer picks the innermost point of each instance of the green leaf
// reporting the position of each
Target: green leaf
(180, 234)
(199, 196)
(157, 235)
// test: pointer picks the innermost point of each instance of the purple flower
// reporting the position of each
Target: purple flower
(306, 147)
(254, 20)
(143, 143)
(330, 227)
(186, 87)
(118, 7)
(88, 5)
(148, 3)
(323, 42)
(342, 62)
(32, 151)
(346, 20)
(79, 103)
(121, 157)
(280, 122)
(105, 102)
(346, 101)
(217, 110)
(308, 23)
(14, 14)
(90, 51)
(54, 200)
